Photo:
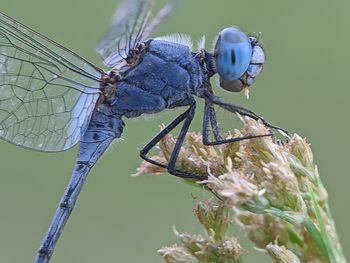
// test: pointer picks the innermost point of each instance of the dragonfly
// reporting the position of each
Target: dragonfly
(52, 99)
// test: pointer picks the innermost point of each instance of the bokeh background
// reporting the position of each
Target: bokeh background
(304, 88)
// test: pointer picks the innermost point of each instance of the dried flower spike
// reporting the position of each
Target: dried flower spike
(274, 190)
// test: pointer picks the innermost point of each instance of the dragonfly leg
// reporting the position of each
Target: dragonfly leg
(174, 155)
(241, 110)
(145, 150)
(187, 117)
(209, 117)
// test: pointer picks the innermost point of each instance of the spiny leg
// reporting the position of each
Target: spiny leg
(210, 117)
(187, 117)
(156, 139)
(241, 110)
(177, 148)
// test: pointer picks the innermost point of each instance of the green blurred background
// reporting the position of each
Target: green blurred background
(304, 88)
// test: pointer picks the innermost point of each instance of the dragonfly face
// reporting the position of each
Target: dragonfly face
(233, 53)
(238, 59)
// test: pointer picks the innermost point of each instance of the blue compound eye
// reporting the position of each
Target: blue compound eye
(233, 53)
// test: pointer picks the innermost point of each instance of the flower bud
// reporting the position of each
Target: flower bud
(280, 254)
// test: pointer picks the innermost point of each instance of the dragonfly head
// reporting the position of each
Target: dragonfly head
(238, 59)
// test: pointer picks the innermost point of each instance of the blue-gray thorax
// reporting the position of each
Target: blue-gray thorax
(167, 75)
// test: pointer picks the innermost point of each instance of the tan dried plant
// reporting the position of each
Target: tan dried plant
(271, 190)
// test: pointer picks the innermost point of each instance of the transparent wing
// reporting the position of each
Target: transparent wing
(47, 93)
(130, 26)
